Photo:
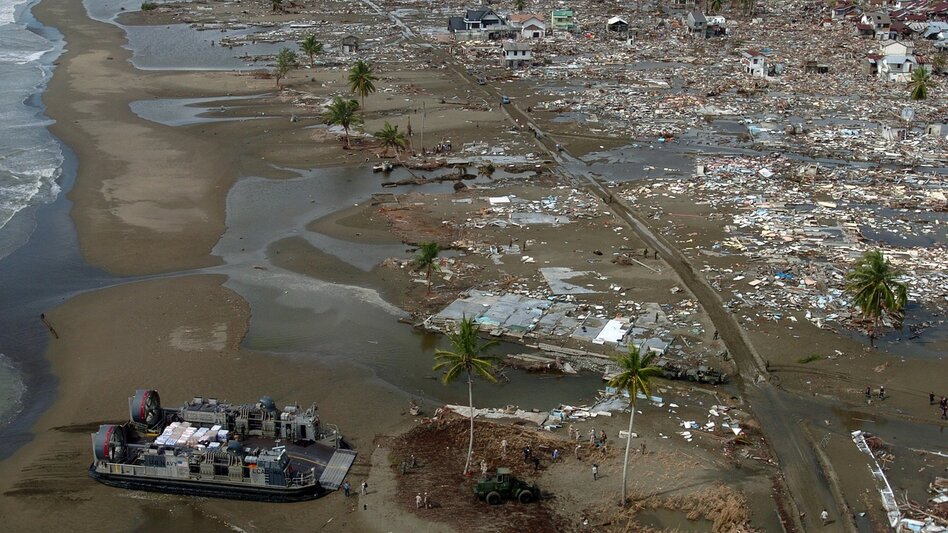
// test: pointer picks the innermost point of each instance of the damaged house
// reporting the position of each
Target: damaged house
(754, 63)
(478, 24)
(894, 61)
(517, 54)
(529, 26)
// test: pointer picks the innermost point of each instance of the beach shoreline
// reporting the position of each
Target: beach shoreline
(151, 201)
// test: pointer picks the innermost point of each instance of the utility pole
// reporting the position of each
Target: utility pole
(424, 113)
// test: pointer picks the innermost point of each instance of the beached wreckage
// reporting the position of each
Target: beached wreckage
(215, 449)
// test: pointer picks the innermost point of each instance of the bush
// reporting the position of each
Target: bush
(148, 6)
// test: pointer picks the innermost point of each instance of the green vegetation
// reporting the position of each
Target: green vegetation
(342, 112)
(520, 4)
(427, 253)
(285, 62)
(875, 290)
(921, 80)
(635, 375)
(362, 80)
(390, 137)
(276, 5)
(148, 6)
(312, 48)
(466, 359)
(809, 359)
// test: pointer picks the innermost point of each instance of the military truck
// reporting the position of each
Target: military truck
(504, 486)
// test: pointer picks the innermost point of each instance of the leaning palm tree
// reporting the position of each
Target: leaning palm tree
(875, 290)
(312, 48)
(427, 253)
(285, 62)
(390, 137)
(635, 375)
(921, 79)
(362, 80)
(342, 112)
(468, 359)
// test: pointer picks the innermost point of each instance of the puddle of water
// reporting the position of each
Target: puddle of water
(667, 520)
(185, 111)
(306, 317)
(180, 47)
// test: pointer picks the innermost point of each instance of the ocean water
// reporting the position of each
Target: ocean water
(31, 158)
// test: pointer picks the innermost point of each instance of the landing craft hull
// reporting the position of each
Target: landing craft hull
(208, 489)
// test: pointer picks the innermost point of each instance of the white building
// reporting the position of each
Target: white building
(529, 25)
(517, 54)
(754, 63)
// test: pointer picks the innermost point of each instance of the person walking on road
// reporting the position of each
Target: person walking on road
(825, 517)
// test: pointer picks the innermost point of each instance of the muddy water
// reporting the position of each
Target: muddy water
(307, 317)
(666, 520)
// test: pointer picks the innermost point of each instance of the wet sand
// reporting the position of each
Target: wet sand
(137, 214)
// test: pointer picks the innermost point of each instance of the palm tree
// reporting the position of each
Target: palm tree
(875, 290)
(390, 137)
(635, 375)
(276, 4)
(342, 112)
(312, 48)
(519, 4)
(285, 62)
(362, 80)
(427, 253)
(467, 358)
(715, 6)
(920, 82)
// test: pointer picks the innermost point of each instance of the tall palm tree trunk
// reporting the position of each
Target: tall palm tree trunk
(628, 446)
(470, 443)
(428, 285)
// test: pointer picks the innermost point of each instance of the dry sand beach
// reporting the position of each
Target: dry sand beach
(251, 258)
